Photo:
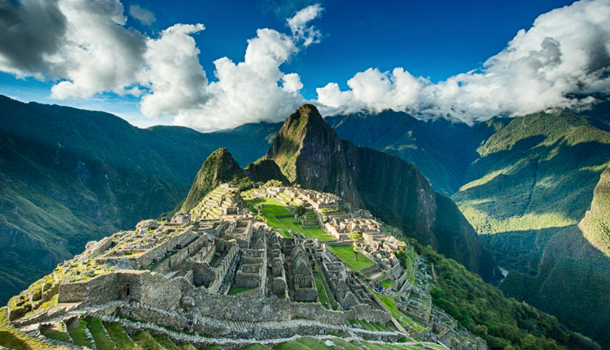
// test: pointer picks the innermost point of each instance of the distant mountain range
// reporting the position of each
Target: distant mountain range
(524, 184)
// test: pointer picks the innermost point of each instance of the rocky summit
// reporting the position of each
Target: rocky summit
(266, 265)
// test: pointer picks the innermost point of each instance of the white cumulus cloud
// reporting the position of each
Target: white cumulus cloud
(566, 52)
(175, 78)
(255, 89)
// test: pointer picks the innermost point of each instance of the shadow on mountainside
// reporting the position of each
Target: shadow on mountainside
(573, 283)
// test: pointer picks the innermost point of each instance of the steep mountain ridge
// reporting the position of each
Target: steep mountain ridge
(573, 280)
(310, 153)
(434, 147)
(218, 168)
(534, 177)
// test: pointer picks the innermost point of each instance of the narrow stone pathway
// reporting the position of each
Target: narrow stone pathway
(228, 281)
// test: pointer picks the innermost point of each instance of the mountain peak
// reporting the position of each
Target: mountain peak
(218, 167)
(308, 113)
(308, 152)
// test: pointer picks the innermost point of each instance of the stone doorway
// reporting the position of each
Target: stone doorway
(125, 291)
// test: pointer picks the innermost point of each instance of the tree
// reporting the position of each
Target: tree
(299, 210)
(355, 236)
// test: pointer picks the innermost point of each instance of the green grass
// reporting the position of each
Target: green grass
(13, 339)
(102, 342)
(255, 347)
(189, 346)
(57, 335)
(306, 343)
(387, 283)
(271, 209)
(60, 334)
(328, 294)
(389, 303)
(373, 346)
(165, 342)
(119, 337)
(274, 208)
(236, 290)
(145, 341)
(78, 334)
(353, 261)
(321, 291)
(311, 233)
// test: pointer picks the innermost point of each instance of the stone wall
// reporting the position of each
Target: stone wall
(249, 279)
(172, 261)
(305, 288)
(48, 294)
(161, 318)
(221, 270)
(159, 251)
(367, 313)
(395, 271)
(197, 244)
(156, 290)
(291, 329)
(279, 285)
(246, 306)
(370, 269)
(402, 278)
(97, 290)
(315, 312)
(97, 248)
(203, 274)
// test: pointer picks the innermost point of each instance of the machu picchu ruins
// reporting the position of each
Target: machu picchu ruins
(263, 265)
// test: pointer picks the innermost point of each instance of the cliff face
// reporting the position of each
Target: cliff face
(310, 153)
(264, 170)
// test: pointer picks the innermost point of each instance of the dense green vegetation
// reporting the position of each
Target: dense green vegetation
(504, 323)
(525, 183)
(533, 177)
(573, 282)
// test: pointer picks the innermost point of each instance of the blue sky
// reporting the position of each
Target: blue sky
(432, 40)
